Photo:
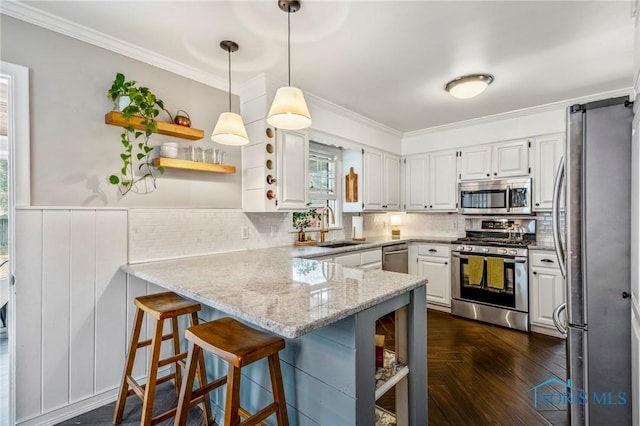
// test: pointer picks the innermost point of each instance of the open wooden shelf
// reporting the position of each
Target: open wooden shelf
(173, 163)
(390, 374)
(116, 119)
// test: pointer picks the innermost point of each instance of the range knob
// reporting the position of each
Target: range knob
(468, 248)
(460, 248)
(485, 250)
(502, 251)
(514, 252)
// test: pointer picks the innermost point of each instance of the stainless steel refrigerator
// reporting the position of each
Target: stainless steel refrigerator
(592, 221)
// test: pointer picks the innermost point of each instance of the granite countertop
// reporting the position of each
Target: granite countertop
(276, 289)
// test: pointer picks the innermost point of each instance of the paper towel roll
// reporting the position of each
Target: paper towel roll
(357, 227)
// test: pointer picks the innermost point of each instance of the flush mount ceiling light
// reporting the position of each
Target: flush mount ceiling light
(230, 129)
(289, 109)
(468, 86)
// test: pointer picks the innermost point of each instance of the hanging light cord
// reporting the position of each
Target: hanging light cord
(289, 41)
(229, 51)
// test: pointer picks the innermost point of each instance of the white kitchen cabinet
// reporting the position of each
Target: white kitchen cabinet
(546, 288)
(510, 159)
(475, 162)
(433, 262)
(373, 163)
(381, 186)
(546, 154)
(391, 182)
(364, 259)
(416, 182)
(292, 154)
(443, 194)
(495, 161)
(431, 182)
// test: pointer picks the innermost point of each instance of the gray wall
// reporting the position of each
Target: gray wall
(73, 152)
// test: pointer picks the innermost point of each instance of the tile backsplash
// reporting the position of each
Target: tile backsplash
(156, 234)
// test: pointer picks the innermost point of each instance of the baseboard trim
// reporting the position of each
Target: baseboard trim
(75, 409)
(72, 410)
(547, 331)
(446, 309)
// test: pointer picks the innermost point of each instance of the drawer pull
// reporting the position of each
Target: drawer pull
(433, 251)
(546, 260)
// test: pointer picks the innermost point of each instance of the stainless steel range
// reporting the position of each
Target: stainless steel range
(489, 273)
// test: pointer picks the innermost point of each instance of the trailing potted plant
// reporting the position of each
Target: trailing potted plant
(136, 157)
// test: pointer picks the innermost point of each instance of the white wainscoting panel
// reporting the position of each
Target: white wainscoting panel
(28, 305)
(83, 266)
(56, 264)
(71, 310)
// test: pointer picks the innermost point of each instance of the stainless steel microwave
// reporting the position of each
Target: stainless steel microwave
(509, 196)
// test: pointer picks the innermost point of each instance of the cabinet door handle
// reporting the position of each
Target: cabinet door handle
(535, 273)
(537, 204)
(488, 174)
(626, 295)
(495, 173)
(446, 263)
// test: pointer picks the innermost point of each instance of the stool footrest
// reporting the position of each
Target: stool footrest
(209, 387)
(258, 417)
(147, 342)
(172, 359)
(164, 416)
(138, 389)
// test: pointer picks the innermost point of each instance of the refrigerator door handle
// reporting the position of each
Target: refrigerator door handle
(556, 217)
(560, 325)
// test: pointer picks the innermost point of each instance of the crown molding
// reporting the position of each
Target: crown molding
(271, 85)
(519, 112)
(352, 115)
(26, 13)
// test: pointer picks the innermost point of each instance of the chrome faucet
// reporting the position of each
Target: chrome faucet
(324, 230)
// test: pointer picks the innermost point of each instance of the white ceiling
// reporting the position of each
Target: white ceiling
(389, 60)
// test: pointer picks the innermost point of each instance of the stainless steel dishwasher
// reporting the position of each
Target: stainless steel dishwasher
(395, 258)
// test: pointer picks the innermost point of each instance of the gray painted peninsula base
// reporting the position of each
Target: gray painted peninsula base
(329, 374)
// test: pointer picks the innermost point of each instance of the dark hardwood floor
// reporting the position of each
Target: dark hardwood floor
(480, 374)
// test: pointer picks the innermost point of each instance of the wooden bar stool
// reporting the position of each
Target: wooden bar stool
(239, 345)
(160, 307)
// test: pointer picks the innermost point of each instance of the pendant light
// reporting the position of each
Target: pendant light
(230, 129)
(289, 109)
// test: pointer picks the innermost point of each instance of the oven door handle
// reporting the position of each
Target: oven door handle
(506, 260)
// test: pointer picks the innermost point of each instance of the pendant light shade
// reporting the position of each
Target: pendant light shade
(289, 109)
(229, 129)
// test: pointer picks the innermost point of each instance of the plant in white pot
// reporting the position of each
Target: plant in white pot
(136, 157)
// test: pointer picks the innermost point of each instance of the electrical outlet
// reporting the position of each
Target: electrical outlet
(244, 232)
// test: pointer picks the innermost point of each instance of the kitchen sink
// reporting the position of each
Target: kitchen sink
(337, 244)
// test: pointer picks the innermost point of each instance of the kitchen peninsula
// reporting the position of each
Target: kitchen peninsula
(326, 312)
